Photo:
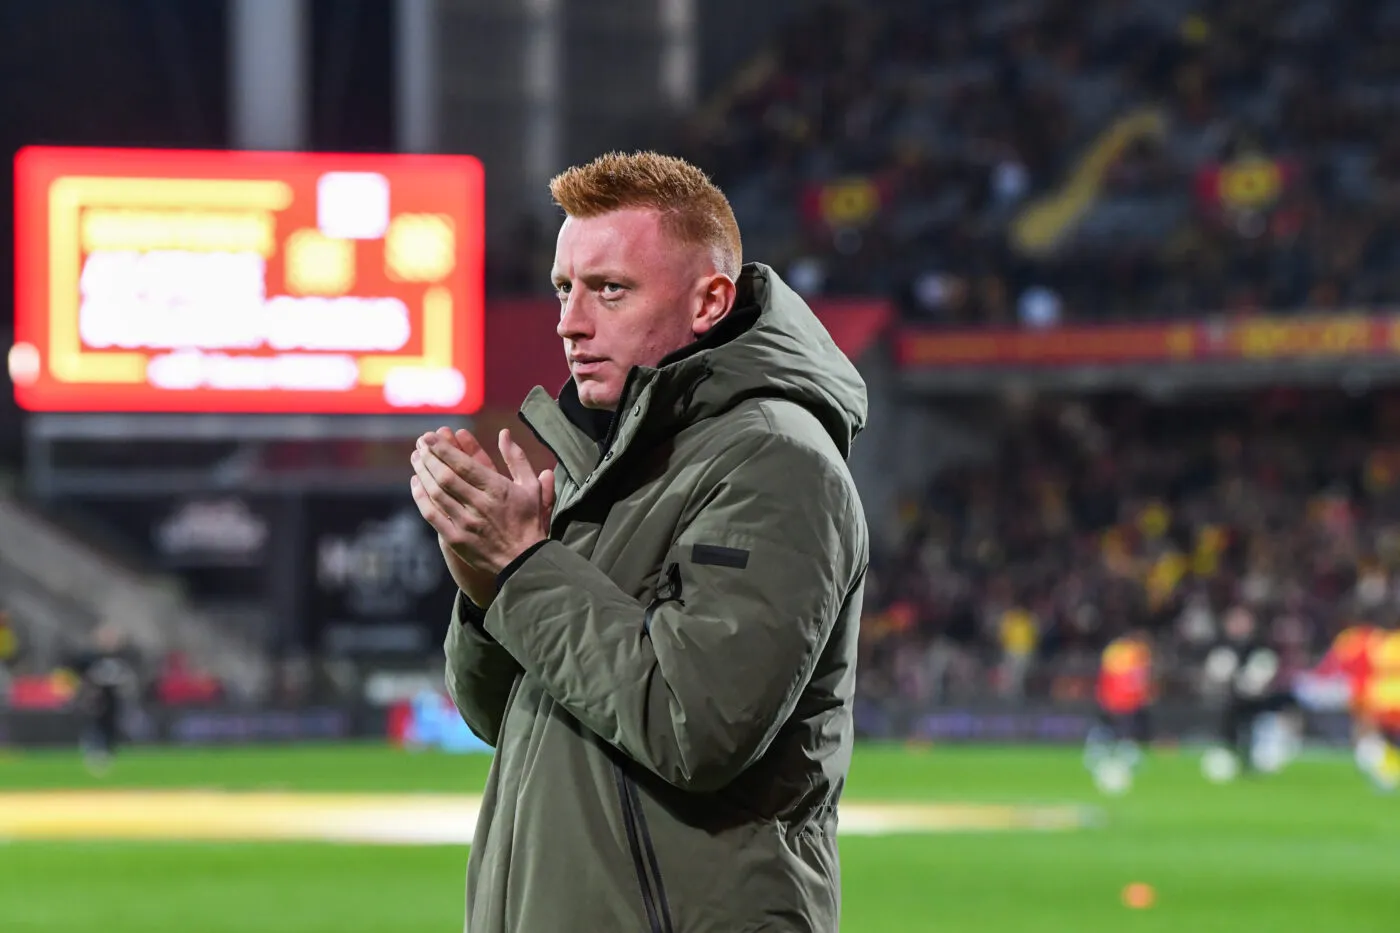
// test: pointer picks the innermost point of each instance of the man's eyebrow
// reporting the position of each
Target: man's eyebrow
(606, 275)
(594, 276)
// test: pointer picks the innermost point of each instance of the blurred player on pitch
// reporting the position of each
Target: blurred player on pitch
(1256, 728)
(1366, 657)
(1124, 693)
(109, 682)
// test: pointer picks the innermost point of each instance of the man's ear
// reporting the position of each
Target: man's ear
(717, 293)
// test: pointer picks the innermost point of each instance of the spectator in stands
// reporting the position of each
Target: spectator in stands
(11, 648)
(11, 645)
(1018, 633)
(180, 684)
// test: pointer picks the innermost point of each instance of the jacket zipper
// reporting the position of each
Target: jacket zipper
(668, 589)
(643, 854)
(662, 904)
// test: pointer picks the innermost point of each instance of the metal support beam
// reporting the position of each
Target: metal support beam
(679, 61)
(269, 95)
(417, 95)
(544, 105)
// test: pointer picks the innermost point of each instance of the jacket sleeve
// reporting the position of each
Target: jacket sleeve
(480, 673)
(695, 689)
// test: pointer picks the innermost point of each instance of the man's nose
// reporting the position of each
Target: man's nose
(574, 320)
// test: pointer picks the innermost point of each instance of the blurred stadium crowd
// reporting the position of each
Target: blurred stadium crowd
(1227, 156)
(1100, 517)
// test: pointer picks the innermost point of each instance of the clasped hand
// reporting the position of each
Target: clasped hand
(484, 517)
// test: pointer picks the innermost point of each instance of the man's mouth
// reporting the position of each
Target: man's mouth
(584, 365)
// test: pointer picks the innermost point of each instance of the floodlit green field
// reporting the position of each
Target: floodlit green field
(1312, 849)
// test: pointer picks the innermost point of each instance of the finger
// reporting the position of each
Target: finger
(464, 441)
(516, 460)
(472, 447)
(547, 491)
(430, 512)
(442, 433)
(428, 509)
(446, 489)
(474, 473)
(427, 489)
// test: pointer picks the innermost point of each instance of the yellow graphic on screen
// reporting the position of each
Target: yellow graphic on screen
(437, 342)
(73, 196)
(195, 231)
(318, 264)
(420, 248)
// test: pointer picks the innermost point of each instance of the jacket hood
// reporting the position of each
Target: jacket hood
(771, 345)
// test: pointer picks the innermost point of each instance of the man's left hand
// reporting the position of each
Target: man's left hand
(488, 519)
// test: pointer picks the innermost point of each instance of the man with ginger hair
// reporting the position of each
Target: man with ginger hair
(658, 636)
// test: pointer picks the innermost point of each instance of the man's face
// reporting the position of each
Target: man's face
(629, 295)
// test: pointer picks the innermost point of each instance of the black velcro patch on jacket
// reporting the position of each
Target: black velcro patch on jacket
(717, 556)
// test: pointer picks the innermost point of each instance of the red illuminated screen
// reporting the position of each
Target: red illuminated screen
(151, 281)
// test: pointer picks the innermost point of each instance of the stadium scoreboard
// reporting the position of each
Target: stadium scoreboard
(242, 282)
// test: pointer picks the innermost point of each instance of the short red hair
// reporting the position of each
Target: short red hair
(691, 206)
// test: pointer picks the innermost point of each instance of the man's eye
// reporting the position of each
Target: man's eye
(562, 289)
(612, 288)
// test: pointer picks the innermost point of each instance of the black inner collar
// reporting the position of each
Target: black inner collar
(595, 422)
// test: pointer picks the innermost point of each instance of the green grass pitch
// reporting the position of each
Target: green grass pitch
(1311, 849)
